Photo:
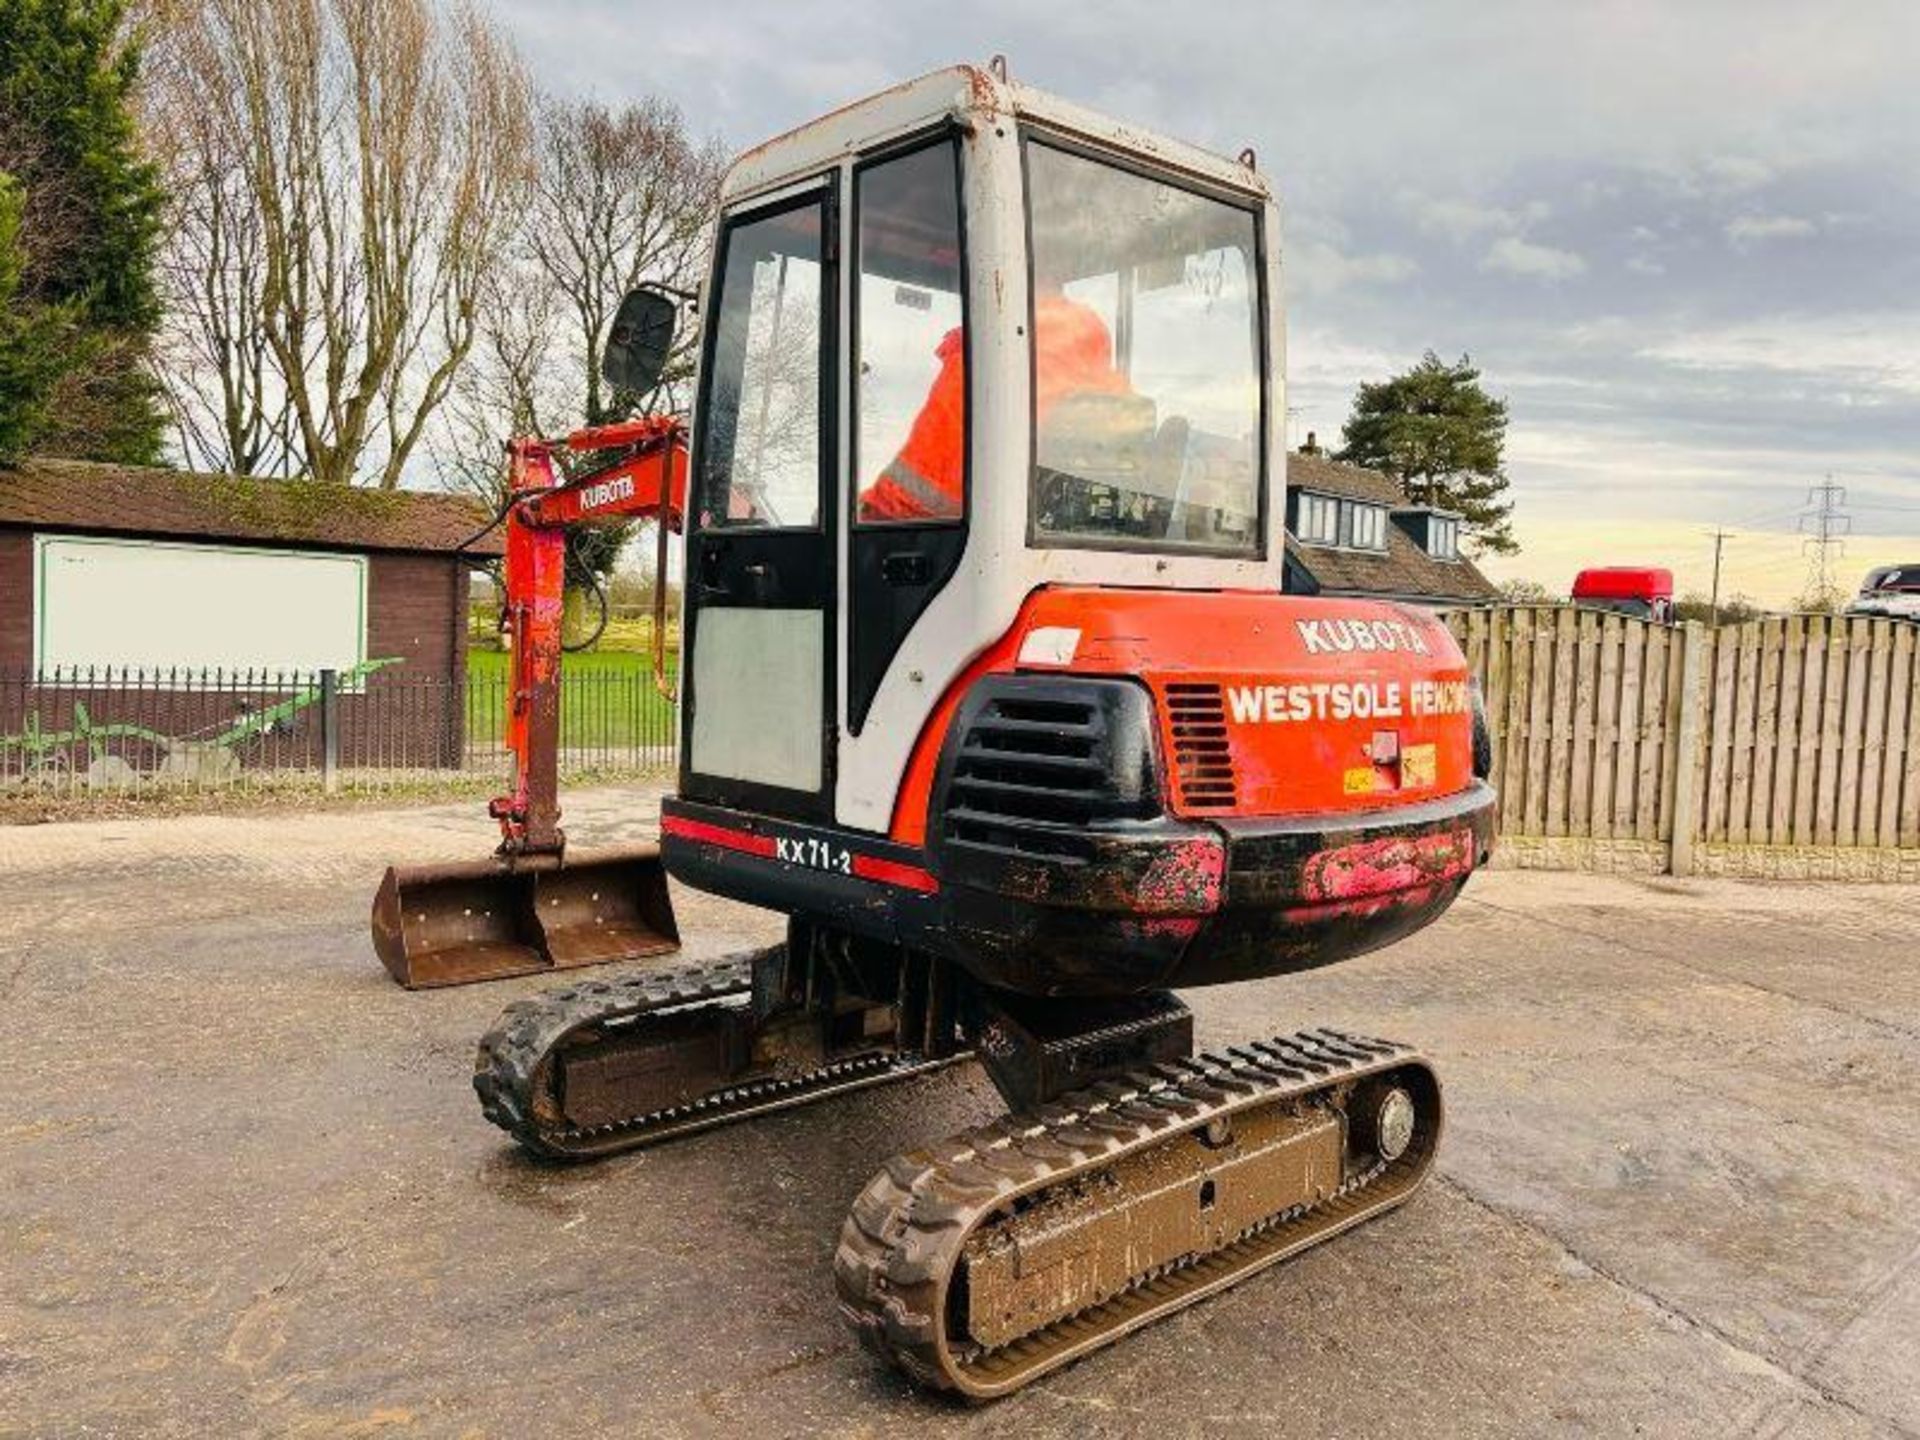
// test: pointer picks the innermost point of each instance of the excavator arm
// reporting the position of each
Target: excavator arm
(647, 481)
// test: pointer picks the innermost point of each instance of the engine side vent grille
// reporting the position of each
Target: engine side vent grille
(1203, 775)
(1037, 765)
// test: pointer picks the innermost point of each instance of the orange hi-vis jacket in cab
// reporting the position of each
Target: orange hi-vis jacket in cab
(1074, 355)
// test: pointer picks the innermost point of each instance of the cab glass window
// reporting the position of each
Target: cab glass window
(1147, 360)
(760, 461)
(910, 379)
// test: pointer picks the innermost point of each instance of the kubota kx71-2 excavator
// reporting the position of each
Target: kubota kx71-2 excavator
(988, 684)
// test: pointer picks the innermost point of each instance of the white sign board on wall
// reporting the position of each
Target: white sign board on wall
(152, 606)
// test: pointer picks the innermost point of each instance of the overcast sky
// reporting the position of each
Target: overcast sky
(1682, 238)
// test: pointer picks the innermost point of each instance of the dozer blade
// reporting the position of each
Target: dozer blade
(487, 920)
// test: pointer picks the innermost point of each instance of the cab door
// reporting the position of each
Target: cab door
(759, 670)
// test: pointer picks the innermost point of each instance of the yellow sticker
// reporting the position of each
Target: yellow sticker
(1360, 780)
(1419, 767)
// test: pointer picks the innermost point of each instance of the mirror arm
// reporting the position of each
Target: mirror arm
(689, 298)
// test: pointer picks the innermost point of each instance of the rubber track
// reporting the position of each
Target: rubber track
(905, 1237)
(514, 1058)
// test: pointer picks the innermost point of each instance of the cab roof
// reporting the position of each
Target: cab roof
(967, 94)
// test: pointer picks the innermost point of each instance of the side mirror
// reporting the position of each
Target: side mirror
(639, 341)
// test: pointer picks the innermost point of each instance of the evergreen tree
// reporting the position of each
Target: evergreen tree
(1437, 431)
(85, 210)
(38, 344)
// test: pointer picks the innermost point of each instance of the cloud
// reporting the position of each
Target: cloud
(1718, 176)
(1321, 267)
(1512, 255)
(1735, 174)
(1460, 220)
(1512, 252)
(1745, 231)
(1866, 359)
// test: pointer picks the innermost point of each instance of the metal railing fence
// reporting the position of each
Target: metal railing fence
(372, 726)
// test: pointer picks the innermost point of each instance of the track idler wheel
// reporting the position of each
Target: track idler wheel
(1383, 1118)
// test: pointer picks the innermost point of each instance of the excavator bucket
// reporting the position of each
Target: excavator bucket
(454, 924)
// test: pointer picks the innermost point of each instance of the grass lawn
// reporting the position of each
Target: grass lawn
(607, 699)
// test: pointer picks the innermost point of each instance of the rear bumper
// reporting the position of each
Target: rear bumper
(1115, 909)
(1306, 893)
(1330, 859)
(1168, 904)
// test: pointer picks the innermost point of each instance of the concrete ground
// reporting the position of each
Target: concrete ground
(245, 1187)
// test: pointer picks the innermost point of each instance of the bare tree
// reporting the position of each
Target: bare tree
(347, 192)
(510, 385)
(215, 364)
(621, 196)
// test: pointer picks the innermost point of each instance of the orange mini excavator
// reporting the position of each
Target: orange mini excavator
(990, 685)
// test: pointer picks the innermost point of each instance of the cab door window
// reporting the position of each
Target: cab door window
(760, 461)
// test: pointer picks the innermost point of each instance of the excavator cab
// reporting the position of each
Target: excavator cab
(1046, 349)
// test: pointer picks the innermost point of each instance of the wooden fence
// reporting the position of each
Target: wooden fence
(1797, 732)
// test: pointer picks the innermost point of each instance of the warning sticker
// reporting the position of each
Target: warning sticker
(1359, 780)
(1419, 767)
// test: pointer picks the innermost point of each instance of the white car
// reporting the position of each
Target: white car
(1891, 590)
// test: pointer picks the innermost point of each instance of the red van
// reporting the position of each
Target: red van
(1643, 591)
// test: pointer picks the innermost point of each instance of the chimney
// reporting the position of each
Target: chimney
(1312, 445)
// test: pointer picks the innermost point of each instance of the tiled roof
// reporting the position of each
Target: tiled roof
(139, 500)
(1349, 482)
(1403, 568)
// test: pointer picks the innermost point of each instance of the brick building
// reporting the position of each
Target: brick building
(165, 573)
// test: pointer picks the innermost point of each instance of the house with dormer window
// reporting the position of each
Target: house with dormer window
(1355, 532)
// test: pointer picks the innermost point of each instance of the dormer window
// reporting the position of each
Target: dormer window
(1319, 520)
(1435, 531)
(1366, 526)
(1348, 524)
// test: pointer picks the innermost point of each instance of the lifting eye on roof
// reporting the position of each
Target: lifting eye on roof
(997, 67)
(1249, 159)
